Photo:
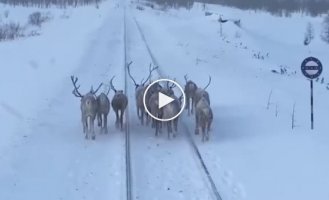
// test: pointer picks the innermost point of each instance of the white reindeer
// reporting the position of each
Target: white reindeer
(88, 108)
(201, 92)
(203, 118)
(171, 109)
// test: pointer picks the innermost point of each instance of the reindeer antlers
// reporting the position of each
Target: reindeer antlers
(151, 69)
(75, 91)
(185, 77)
(111, 84)
(131, 77)
(94, 92)
(173, 85)
(208, 83)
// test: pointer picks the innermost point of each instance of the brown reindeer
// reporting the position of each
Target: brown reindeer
(103, 110)
(190, 89)
(139, 92)
(119, 104)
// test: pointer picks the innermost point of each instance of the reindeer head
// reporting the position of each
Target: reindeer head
(113, 88)
(169, 89)
(76, 92)
(142, 83)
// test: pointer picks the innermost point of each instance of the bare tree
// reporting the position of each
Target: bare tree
(325, 29)
(309, 34)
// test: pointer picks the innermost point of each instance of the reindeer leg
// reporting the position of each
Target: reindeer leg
(156, 128)
(105, 123)
(138, 111)
(176, 124)
(168, 129)
(210, 121)
(148, 119)
(153, 123)
(121, 119)
(88, 127)
(93, 135)
(84, 126)
(117, 118)
(204, 134)
(99, 119)
(188, 106)
(160, 127)
(142, 117)
(196, 125)
(207, 132)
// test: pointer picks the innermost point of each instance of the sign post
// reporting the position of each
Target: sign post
(311, 68)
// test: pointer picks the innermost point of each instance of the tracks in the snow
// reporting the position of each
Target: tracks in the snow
(185, 128)
(127, 130)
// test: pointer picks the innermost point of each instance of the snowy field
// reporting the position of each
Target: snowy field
(253, 152)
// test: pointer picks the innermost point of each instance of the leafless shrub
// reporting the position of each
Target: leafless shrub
(37, 18)
(325, 29)
(309, 34)
(10, 31)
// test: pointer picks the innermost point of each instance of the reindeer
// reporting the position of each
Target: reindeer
(201, 92)
(139, 92)
(190, 89)
(119, 103)
(153, 108)
(171, 109)
(153, 89)
(103, 104)
(203, 118)
(88, 107)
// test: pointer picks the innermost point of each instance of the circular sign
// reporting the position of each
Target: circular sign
(164, 100)
(311, 67)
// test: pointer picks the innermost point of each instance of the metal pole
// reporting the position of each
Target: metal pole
(312, 117)
(221, 30)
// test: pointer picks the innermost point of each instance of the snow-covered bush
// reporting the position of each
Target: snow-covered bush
(309, 34)
(325, 30)
(10, 31)
(37, 18)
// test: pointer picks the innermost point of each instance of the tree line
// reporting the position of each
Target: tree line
(48, 3)
(276, 7)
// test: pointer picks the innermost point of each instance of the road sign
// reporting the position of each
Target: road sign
(311, 67)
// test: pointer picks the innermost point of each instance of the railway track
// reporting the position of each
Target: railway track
(191, 141)
(127, 129)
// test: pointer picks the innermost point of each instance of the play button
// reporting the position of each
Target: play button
(164, 100)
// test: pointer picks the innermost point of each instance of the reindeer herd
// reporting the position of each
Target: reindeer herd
(94, 106)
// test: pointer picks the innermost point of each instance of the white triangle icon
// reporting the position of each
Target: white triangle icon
(164, 100)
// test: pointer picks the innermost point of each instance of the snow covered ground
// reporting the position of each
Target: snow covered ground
(43, 152)
(252, 154)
